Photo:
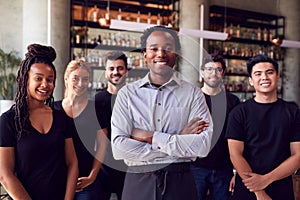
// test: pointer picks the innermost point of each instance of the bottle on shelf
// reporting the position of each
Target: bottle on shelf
(119, 16)
(107, 17)
(231, 29)
(258, 33)
(158, 19)
(265, 34)
(109, 39)
(104, 39)
(149, 18)
(138, 18)
(225, 28)
(270, 35)
(95, 14)
(238, 31)
(99, 40)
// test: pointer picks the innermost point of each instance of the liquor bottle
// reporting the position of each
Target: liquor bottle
(119, 17)
(231, 30)
(107, 18)
(95, 14)
(99, 40)
(258, 33)
(104, 40)
(270, 35)
(265, 34)
(225, 28)
(158, 19)
(138, 18)
(238, 31)
(149, 18)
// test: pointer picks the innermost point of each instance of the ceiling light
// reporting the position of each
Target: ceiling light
(129, 26)
(211, 35)
(290, 43)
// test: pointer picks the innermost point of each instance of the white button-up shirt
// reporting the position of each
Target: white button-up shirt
(164, 110)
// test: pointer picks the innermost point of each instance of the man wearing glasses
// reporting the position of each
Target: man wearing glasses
(213, 173)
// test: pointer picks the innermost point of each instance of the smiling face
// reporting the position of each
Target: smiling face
(160, 55)
(116, 72)
(77, 82)
(264, 78)
(40, 84)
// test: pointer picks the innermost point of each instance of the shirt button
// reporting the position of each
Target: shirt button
(159, 104)
(158, 120)
(159, 89)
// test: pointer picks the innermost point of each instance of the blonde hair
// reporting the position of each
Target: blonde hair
(72, 66)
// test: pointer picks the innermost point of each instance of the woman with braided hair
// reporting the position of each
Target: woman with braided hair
(37, 156)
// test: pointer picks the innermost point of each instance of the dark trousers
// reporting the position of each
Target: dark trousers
(160, 182)
(215, 181)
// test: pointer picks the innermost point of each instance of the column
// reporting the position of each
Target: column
(190, 18)
(291, 76)
(47, 22)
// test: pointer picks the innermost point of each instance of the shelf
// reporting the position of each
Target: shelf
(86, 30)
(249, 41)
(106, 47)
(245, 18)
(163, 7)
(249, 34)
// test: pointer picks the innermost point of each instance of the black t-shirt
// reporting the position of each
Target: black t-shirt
(219, 106)
(40, 163)
(267, 129)
(104, 102)
(85, 127)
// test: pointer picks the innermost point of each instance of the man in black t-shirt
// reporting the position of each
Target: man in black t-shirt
(214, 172)
(263, 137)
(116, 71)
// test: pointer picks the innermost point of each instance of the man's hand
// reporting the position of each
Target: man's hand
(262, 195)
(142, 135)
(255, 182)
(195, 126)
(232, 183)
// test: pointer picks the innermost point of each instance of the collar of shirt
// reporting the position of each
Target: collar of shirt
(172, 82)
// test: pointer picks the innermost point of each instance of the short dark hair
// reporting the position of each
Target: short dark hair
(214, 58)
(258, 59)
(116, 55)
(152, 29)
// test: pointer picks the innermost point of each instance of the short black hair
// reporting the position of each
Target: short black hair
(116, 55)
(152, 29)
(214, 58)
(258, 59)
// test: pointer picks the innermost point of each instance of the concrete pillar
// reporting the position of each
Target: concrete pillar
(190, 18)
(47, 22)
(291, 76)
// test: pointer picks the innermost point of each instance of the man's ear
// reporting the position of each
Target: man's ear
(250, 81)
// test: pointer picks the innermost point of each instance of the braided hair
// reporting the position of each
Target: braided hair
(36, 54)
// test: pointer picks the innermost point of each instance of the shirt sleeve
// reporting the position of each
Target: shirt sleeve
(235, 129)
(189, 145)
(7, 130)
(295, 135)
(123, 146)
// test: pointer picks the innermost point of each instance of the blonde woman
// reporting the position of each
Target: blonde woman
(89, 136)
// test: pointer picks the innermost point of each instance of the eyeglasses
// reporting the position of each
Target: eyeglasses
(210, 70)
